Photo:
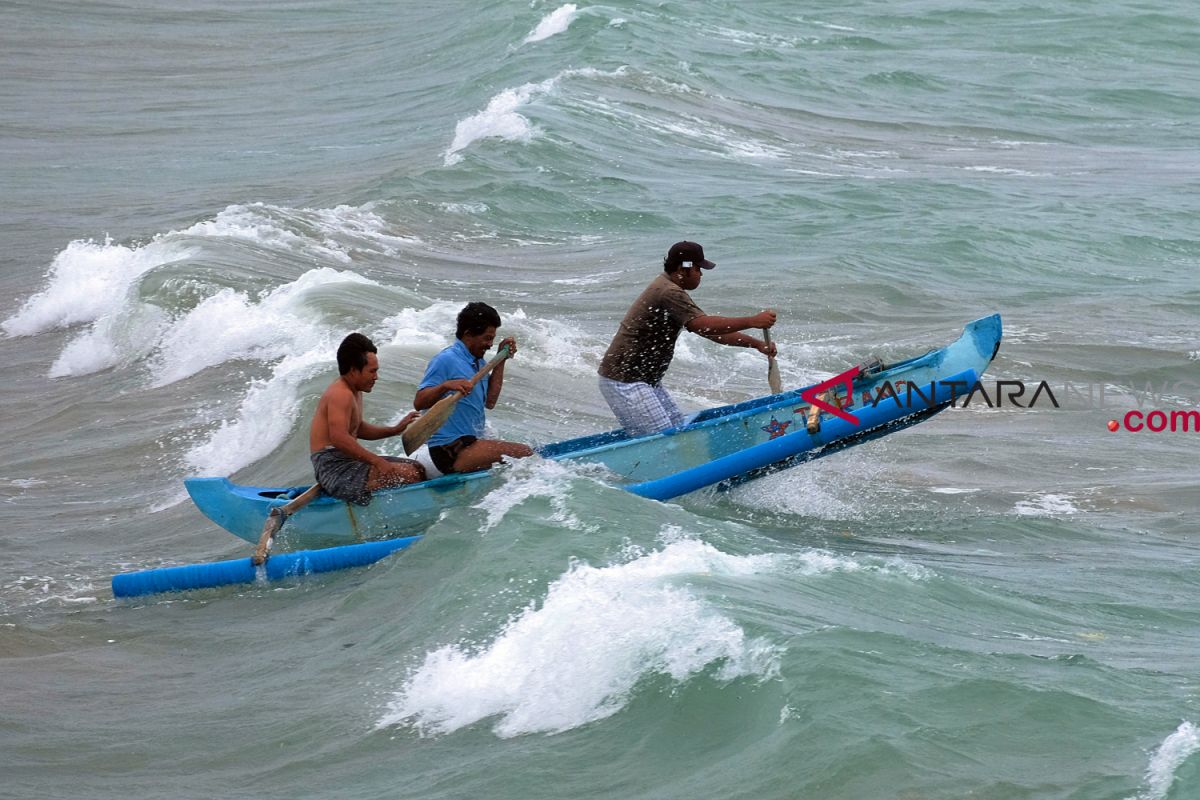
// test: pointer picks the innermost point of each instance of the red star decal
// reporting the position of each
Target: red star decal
(776, 428)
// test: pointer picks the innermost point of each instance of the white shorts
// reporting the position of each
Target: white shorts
(640, 407)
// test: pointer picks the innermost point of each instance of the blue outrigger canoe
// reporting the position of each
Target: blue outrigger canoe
(719, 446)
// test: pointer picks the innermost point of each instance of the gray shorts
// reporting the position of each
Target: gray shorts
(345, 477)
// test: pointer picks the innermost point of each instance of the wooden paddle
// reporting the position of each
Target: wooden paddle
(772, 368)
(275, 520)
(419, 431)
(814, 413)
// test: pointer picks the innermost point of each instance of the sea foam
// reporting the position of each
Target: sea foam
(89, 280)
(577, 657)
(96, 283)
(537, 477)
(1045, 504)
(274, 328)
(235, 325)
(99, 285)
(264, 419)
(553, 23)
(501, 118)
(1175, 749)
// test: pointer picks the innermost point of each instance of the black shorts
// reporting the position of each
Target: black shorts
(444, 455)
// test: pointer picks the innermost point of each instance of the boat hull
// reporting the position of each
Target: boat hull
(719, 445)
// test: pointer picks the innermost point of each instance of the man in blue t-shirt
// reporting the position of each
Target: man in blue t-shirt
(459, 446)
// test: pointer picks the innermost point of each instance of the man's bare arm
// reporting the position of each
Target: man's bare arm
(426, 397)
(496, 381)
(708, 325)
(372, 432)
(741, 340)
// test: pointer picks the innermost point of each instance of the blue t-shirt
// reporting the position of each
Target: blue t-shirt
(453, 363)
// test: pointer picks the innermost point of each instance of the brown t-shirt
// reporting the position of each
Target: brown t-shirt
(645, 342)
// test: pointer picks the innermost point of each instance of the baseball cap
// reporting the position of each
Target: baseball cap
(687, 254)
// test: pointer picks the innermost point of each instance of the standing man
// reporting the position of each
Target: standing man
(459, 446)
(632, 369)
(344, 468)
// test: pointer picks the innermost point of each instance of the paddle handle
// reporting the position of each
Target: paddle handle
(501, 354)
(773, 379)
(419, 431)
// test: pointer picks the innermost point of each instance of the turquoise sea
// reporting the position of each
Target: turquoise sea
(202, 197)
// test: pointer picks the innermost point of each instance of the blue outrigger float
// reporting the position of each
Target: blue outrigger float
(719, 446)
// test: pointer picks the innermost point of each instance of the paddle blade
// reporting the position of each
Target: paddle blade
(419, 430)
(275, 521)
(270, 528)
(772, 368)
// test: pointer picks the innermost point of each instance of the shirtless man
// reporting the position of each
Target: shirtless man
(344, 468)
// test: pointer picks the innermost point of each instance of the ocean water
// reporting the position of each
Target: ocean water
(201, 198)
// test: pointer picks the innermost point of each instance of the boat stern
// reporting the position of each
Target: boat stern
(240, 510)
